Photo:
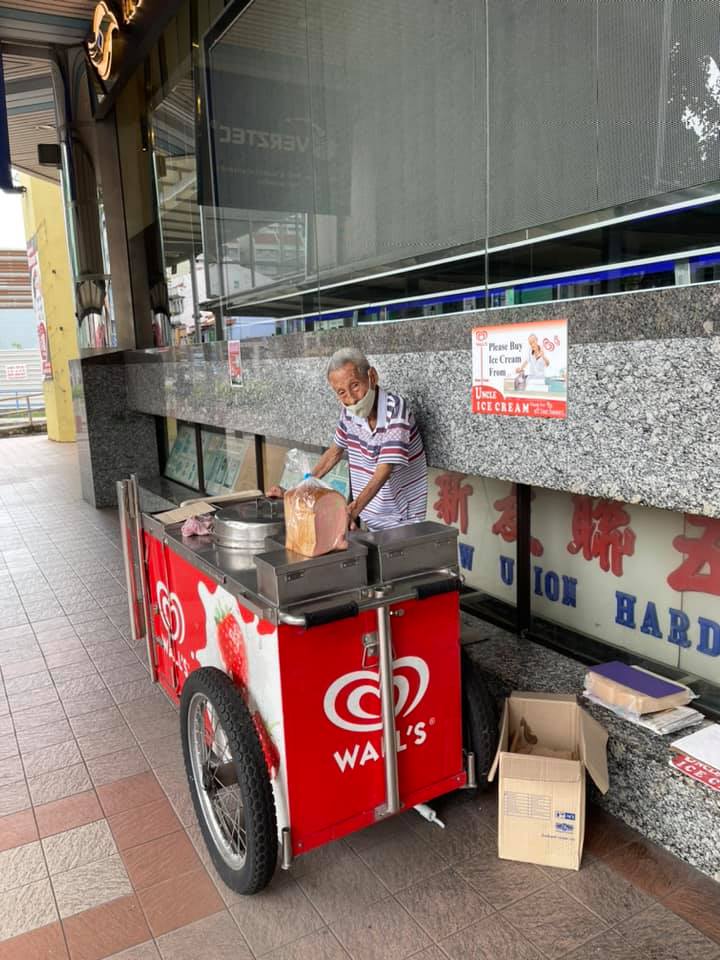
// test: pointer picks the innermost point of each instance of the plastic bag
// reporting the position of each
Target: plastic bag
(198, 526)
(316, 519)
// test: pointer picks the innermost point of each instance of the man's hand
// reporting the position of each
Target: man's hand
(352, 512)
(275, 492)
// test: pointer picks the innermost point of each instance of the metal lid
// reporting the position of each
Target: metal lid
(247, 524)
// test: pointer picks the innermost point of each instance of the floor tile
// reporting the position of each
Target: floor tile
(71, 671)
(604, 833)
(432, 953)
(77, 687)
(59, 784)
(132, 690)
(142, 824)
(11, 771)
(501, 882)
(88, 703)
(403, 860)
(384, 932)
(163, 859)
(129, 793)
(34, 699)
(26, 720)
(109, 929)
(97, 721)
(443, 904)
(648, 867)
(317, 946)
(21, 865)
(173, 780)
(68, 813)
(699, 903)
(466, 830)
(79, 846)
(606, 893)
(607, 946)
(100, 744)
(490, 939)
(14, 798)
(28, 681)
(159, 750)
(26, 908)
(23, 668)
(151, 729)
(40, 738)
(214, 938)
(553, 921)
(345, 887)
(660, 934)
(277, 916)
(180, 901)
(143, 951)
(45, 943)
(17, 829)
(117, 766)
(91, 885)
(49, 758)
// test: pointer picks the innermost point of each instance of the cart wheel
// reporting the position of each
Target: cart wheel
(229, 781)
(480, 720)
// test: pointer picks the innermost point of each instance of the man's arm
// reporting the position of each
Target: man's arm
(376, 482)
(327, 461)
(332, 456)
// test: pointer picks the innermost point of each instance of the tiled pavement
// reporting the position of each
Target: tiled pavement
(100, 854)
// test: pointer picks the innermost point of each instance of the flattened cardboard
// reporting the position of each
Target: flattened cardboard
(542, 799)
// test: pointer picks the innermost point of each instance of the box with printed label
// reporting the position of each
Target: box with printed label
(547, 742)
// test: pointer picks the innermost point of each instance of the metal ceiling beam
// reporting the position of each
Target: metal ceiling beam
(26, 25)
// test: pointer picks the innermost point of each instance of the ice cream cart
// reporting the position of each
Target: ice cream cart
(316, 696)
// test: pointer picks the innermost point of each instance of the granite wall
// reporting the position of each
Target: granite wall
(643, 402)
(113, 439)
(645, 791)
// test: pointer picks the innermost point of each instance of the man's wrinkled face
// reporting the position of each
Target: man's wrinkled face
(349, 386)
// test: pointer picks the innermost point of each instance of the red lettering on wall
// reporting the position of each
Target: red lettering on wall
(700, 570)
(506, 524)
(452, 503)
(597, 532)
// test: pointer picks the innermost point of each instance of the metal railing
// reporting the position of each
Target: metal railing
(19, 411)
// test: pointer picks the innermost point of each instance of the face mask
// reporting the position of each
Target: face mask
(363, 408)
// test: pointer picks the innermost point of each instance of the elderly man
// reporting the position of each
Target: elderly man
(388, 469)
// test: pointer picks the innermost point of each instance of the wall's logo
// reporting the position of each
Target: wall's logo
(352, 702)
(104, 25)
(171, 613)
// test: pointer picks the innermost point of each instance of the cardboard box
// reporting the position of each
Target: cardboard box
(547, 742)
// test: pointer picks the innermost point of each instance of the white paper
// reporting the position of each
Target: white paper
(703, 745)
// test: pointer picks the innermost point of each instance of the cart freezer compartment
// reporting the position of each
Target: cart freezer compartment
(547, 742)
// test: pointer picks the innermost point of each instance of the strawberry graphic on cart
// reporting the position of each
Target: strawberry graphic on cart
(231, 644)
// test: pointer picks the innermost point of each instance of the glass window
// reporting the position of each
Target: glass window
(181, 464)
(229, 462)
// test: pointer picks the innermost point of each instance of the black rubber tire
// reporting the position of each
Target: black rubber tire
(253, 779)
(480, 720)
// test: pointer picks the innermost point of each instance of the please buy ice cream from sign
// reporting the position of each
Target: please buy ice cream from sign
(520, 369)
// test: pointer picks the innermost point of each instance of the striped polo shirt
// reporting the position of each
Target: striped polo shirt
(395, 439)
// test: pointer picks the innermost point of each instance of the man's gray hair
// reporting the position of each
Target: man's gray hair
(349, 355)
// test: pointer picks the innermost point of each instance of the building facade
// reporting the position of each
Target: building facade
(425, 181)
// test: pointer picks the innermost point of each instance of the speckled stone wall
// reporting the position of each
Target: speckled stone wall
(115, 440)
(643, 403)
(660, 802)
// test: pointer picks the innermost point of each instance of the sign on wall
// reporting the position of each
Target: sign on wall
(234, 363)
(16, 371)
(520, 369)
(638, 578)
(39, 307)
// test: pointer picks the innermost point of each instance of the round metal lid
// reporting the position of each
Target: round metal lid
(244, 524)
